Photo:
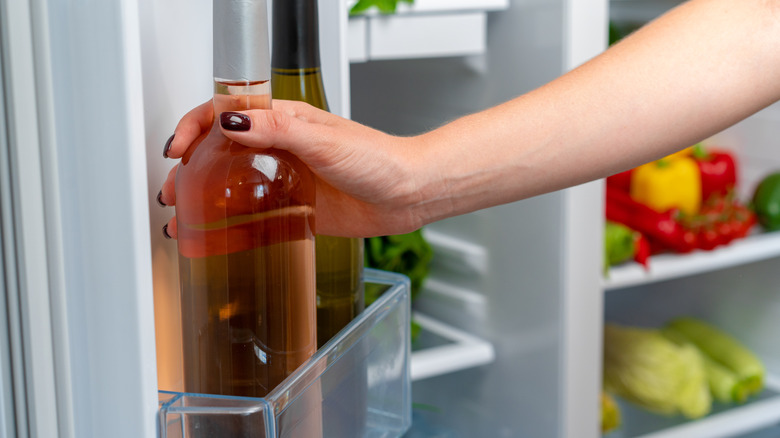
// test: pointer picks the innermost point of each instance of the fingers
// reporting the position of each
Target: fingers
(194, 124)
(167, 198)
(171, 230)
(167, 195)
(301, 129)
(306, 112)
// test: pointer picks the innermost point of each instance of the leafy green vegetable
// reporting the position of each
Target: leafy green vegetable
(646, 368)
(408, 254)
(384, 6)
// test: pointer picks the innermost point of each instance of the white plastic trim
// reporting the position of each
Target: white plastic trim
(466, 351)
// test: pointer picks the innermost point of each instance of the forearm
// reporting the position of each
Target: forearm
(693, 72)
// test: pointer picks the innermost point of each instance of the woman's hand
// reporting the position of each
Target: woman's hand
(365, 179)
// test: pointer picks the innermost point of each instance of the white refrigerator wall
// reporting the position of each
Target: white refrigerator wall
(176, 60)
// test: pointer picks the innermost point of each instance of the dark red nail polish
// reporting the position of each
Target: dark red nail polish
(165, 231)
(168, 146)
(235, 121)
(159, 200)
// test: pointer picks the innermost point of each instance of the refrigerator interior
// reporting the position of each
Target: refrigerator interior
(507, 282)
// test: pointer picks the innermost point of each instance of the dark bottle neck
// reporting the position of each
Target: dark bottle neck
(296, 42)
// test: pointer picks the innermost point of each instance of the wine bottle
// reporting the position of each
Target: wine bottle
(296, 75)
(245, 232)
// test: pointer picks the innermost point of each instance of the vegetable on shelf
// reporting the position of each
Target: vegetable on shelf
(718, 170)
(384, 6)
(670, 183)
(619, 243)
(720, 220)
(409, 254)
(766, 202)
(683, 202)
(723, 383)
(661, 229)
(622, 243)
(645, 367)
(621, 181)
(680, 368)
(725, 350)
(610, 413)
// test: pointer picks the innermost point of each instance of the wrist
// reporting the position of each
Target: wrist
(429, 197)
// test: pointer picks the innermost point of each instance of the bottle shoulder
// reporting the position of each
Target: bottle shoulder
(223, 175)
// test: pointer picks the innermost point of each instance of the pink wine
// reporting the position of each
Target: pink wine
(245, 221)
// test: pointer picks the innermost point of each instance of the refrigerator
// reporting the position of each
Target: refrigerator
(516, 301)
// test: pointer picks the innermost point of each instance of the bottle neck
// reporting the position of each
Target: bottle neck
(241, 96)
(240, 36)
(296, 43)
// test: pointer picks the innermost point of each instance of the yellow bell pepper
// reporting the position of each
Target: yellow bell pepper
(685, 153)
(668, 184)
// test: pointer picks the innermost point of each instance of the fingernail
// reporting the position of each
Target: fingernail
(159, 200)
(235, 121)
(168, 146)
(165, 231)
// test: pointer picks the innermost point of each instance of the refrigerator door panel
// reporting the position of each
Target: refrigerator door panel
(12, 401)
(80, 217)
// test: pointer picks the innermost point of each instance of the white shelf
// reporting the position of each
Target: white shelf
(669, 266)
(458, 254)
(427, 6)
(428, 28)
(725, 421)
(446, 349)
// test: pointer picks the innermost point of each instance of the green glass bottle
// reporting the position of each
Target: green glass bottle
(296, 75)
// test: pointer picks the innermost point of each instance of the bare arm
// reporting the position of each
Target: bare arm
(693, 72)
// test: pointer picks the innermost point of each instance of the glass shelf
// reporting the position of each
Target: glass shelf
(357, 384)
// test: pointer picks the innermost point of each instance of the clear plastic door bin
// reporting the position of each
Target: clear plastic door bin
(356, 385)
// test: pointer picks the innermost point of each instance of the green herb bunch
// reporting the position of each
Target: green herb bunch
(384, 6)
(408, 254)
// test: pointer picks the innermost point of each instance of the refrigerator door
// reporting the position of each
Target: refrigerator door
(76, 221)
(10, 403)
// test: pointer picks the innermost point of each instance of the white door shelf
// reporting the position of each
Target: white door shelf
(446, 349)
(753, 248)
(724, 421)
(428, 28)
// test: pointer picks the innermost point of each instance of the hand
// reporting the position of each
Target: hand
(365, 178)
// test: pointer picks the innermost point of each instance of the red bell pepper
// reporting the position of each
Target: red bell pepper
(718, 170)
(621, 181)
(660, 228)
(643, 251)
